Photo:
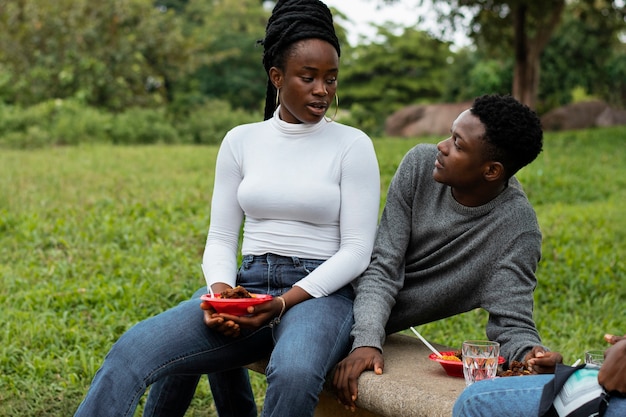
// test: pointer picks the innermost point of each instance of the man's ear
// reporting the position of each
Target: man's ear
(276, 77)
(494, 171)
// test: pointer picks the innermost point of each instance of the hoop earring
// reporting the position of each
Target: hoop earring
(277, 93)
(332, 119)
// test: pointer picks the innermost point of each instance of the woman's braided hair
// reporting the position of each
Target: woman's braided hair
(292, 21)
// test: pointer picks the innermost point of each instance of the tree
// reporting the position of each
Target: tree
(112, 54)
(584, 53)
(234, 71)
(522, 26)
(385, 75)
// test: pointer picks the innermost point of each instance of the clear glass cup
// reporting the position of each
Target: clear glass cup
(480, 360)
(594, 357)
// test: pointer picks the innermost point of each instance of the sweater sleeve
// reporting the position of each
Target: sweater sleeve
(360, 201)
(508, 296)
(377, 287)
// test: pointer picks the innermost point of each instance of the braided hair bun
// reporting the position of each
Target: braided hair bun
(292, 21)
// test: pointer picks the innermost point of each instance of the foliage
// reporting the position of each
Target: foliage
(189, 58)
(614, 91)
(69, 122)
(142, 126)
(234, 72)
(53, 122)
(585, 52)
(108, 54)
(397, 73)
(207, 124)
(95, 238)
(472, 74)
(521, 30)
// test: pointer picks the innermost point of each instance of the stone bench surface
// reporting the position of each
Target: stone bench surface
(411, 385)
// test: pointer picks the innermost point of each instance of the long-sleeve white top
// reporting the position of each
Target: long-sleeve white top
(305, 190)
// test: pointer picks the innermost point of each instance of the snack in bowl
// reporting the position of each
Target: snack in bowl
(235, 301)
(237, 292)
(452, 363)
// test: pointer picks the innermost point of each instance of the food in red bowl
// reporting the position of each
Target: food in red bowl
(452, 364)
(235, 306)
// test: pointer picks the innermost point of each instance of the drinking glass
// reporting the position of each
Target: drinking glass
(480, 360)
(594, 357)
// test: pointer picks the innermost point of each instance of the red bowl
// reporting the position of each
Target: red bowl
(235, 306)
(454, 368)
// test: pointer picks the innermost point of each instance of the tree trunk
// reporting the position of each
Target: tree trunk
(528, 50)
(520, 73)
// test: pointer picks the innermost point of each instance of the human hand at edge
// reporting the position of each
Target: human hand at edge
(612, 339)
(259, 314)
(217, 322)
(541, 362)
(347, 372)
(612, 375)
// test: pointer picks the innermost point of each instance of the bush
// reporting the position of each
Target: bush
(50, 123)
(70, 122)
(208, 123)
(142, 126)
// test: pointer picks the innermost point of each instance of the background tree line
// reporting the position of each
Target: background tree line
(145, 71)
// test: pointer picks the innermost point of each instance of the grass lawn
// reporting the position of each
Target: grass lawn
(94, 239)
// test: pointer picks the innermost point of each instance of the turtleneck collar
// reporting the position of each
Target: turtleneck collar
(296, 129)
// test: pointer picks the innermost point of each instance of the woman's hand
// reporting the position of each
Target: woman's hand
(219, 323)
(216, 321)
(541, 362)
(260, 314)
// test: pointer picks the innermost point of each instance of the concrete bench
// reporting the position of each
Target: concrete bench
(411, 385)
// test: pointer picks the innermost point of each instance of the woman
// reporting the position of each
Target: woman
(307, 192)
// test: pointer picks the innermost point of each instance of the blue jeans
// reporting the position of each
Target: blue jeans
(173, 348)
(515, 396)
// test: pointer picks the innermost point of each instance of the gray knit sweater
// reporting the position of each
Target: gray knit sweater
(434, 258)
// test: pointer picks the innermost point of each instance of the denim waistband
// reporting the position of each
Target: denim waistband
(272, 258)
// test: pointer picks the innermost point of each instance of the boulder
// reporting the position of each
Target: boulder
(424, 120)
(583, 115)
(436, 119)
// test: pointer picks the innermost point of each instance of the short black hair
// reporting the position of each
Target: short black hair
(512, 130)
(292, 21)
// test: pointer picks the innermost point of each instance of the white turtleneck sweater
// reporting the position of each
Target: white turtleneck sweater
(305, 190)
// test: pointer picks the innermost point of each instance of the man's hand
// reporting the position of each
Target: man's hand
(612, 339)
(541, 362)
(612, 374)
(348, 371)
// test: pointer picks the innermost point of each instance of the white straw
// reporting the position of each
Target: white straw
(205, 275)
(428, 345)
(577, 362)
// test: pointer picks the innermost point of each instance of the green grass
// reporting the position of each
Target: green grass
(94, 239)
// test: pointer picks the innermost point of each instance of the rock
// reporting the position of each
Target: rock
(424, 120)
(583, 115)
(611, 117)
(436, 119)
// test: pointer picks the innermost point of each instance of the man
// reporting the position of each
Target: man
(457, 233)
